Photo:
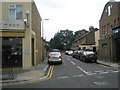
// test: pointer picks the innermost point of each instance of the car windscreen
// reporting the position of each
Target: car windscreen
(54, 54)
(89, 53)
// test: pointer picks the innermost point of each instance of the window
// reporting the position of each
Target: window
(108, 27)
(118, 21)
(15, 12)
(115, 22)
(109, 10)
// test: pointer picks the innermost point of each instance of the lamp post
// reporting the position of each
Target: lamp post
(27, 19)
(43, 27)
(43, 53)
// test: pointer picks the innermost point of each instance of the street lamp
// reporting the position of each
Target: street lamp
(43, 53)
(26, 21)
(43, 27)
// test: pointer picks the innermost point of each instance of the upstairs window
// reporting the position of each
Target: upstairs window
(15, 12)
(109, 10)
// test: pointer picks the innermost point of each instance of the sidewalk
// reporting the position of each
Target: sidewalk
(27, 75)
(110, 64)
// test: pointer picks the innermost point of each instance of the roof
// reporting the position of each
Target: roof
(83, 36)
(110, 2)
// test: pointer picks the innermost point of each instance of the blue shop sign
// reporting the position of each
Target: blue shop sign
(116, 33)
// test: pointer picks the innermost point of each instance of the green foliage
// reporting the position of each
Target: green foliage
(47, 47)
(80, 33)
(64, 38)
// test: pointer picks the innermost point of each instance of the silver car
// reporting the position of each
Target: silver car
(54, 57)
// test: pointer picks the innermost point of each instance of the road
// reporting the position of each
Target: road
(74, 73)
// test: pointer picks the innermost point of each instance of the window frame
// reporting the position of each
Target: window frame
(9, 8)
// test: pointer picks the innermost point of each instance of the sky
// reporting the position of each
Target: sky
(69, 14)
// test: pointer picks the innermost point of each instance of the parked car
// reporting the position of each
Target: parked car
(70, 52)
(87, 56)
(66, 52)
(78, 54)
(54, 57)
(55, 50)
(74, 54)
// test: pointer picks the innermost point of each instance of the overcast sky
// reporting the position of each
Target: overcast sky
(69, 14)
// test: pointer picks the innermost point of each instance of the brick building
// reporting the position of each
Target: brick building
(109, 43)
(86, 41)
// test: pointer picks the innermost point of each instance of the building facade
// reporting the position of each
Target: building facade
(20, 31)
(109, 46)
(86, 41)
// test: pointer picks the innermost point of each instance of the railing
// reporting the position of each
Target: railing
(12, 25)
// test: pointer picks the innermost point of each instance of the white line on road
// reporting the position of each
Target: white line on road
(91, 73)
(99, 71)
(72, 62)
(82, 69)
(63, 77)
(77, 75)
(115, 71)
(68, 59)
(104, 72)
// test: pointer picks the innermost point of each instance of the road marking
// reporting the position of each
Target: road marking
(99, 71)
(68, 59)
(62, 77)
(72, 62)
(103, 72)
(48, 76)
(104, 66)
(101, 83)
(77, 75)
(82, 69)
(114, 71)
(91, 73)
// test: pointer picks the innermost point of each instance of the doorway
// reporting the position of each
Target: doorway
(33, 52)
(118, 50)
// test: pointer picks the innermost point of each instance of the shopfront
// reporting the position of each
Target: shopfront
(116, 37)
(11, 51)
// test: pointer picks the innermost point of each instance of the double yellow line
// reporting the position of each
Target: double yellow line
(48, 76)
(50, 72)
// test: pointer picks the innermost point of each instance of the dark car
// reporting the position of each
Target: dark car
(78, 54)
(88, 56)
(74, 54)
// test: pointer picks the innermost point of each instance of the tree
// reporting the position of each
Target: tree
(62, 39)
(80, 33)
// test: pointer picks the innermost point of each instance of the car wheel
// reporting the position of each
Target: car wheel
(95, 61)
(48, 62)
(84, 59)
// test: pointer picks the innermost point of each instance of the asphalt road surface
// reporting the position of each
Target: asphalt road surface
(74, 73)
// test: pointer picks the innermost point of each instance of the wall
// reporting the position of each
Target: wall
(36, 27)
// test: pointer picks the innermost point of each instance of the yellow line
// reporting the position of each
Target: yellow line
(48, 76)
(104, 66)
(10, 68)
(50, 73)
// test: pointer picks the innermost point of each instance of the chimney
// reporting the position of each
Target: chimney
(112, 1)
